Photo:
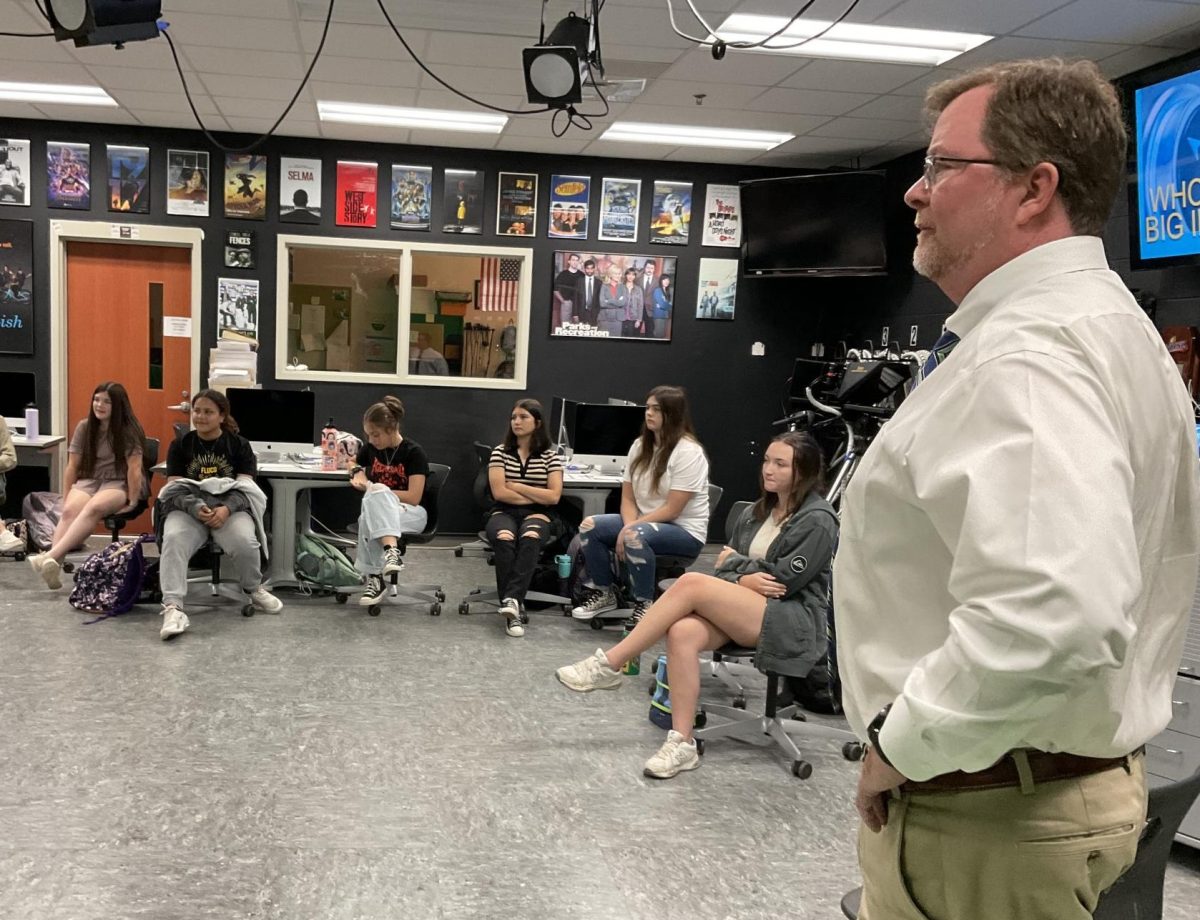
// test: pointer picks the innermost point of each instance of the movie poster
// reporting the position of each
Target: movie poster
(612, 295)
(237, 309)
(246, 186)
(722, 216)
(516, 204)
(14, 172)
(239, 249)
(187, 182)
(68, 176)
(569, 196)
(716, 291)
(299, 191)
(619, 200)
(357, 195)
(129, 179)
(412, 195)
(462, 201)
(671, 218)
(16, 287)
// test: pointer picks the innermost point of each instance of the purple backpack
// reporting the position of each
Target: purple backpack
(110, 581)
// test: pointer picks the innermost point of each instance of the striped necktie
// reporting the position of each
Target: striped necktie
(941, 349)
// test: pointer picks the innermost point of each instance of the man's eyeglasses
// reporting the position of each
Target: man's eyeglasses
(934, 165)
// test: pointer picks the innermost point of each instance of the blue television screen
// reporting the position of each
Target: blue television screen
(1166, 205)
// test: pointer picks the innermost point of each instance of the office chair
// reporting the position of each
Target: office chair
(405, 593)
(666, 570)
(481, 547)
(1138, 894)
(116, 521)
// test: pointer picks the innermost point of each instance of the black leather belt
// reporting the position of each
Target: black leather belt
(1044, 767)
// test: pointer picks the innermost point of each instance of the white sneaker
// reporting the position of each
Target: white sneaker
(175, 621)
(674, 757)
(10, 542)
(592, 673)
(35, 562)
(265, 601)
(51, 572)
(596, 600)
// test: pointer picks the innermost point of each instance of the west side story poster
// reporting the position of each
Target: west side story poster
(16, 287)
(357, 185)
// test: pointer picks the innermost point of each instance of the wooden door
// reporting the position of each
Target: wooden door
(119, 299)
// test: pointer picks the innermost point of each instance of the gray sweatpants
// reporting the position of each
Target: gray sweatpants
(383, 515)
(183, 536)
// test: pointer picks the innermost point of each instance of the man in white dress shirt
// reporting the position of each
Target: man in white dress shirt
(1019, 546)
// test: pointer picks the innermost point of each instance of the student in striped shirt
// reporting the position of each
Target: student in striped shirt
(525, 477)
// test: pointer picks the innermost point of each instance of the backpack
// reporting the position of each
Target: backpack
(323, 565)
(110, 582)
(41, 511)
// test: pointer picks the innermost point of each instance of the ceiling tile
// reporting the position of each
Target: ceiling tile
(985, 18)
(808, 101)
(854, 76)
(624, 151)
(1124, 62)
(737, 67)
(177, 118)
(232, 9)
(33, 49)
(875, 129)
(258, 87)
(567, 145)
(258, 64)
(481, 80)
(38, 72)
(683, 93)
(373, 95)
(133, 100)
(1121, 23)
(9, 109)
(364, 72)
(363, 41)
(194, 29)
(460, 47)
(83, 114)
(897, 108)
(1015, 47)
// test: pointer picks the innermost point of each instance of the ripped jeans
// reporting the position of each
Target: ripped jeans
(598, 538)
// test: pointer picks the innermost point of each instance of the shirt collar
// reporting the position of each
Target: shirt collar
(1072, 254)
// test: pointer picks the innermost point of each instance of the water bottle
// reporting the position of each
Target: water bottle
(329, 447)
(31, 421)
(633, 666)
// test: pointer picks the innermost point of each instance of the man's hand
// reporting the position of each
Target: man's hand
(874, 782)
(764, 584)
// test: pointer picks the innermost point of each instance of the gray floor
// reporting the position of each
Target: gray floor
(324, 764)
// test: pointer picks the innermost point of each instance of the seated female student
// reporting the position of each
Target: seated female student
(104, 474)
(210, 491)
(391, 470)
(9, 541)
(770, 592)
(525, 477)
(664, 508)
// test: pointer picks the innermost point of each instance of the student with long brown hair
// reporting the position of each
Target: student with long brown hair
(770, 592)
(104, 474)
(664, 508)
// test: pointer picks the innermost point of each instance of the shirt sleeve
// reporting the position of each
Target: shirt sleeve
(244, 461)
(803, 551)
(1030, 489)
(363, 457)
(497, 458)
(176, 458)
(418, 463)
(8, 452)
(553, 462)
(76, 445)
(634, 449)
(687, 470)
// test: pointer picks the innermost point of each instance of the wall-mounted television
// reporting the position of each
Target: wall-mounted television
(1163, 103)
(821, 225)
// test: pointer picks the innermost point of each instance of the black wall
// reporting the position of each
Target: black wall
(734, 396)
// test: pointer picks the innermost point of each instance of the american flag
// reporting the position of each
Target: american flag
(499, 281)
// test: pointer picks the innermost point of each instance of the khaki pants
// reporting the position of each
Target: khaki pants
(998, 854)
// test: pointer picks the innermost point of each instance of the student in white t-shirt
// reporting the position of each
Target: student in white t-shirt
(664, 508)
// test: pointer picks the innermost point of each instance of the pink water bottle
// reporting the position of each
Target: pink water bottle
(329, 447)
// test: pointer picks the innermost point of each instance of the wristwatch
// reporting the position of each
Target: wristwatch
(355, 470)
(873, 733)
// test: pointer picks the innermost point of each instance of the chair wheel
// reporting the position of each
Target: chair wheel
(68, 567)
(801, 769)
(20, 557)
(248, 610)
(341, 598)
(464, 608)
(739, 703)
(440, 595)
(700, 746)
(798, 716)
(652, 686)
(853, 750)
(701, 719)
(435, 610)
(566, 610)
(595, 623)
(374, 609)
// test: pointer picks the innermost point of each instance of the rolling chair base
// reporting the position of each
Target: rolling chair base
(492, 599)
(399, 595)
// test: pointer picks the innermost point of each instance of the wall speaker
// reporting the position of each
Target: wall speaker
(104, 22)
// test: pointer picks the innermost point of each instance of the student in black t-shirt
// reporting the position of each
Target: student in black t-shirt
(391, 470)
(213, 449)
(525, 476)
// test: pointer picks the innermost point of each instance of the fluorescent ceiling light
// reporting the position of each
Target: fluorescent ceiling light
(359, 114)
(850, 40)
(691, 136)
(55, 92)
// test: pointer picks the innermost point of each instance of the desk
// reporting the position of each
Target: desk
(290, 485)
(590, 487)
(43, 450)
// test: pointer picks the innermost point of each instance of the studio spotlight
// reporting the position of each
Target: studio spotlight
(554, 71)
(104, 22)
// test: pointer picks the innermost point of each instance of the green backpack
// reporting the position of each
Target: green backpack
(324, 565)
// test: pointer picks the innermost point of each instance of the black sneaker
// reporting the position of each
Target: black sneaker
(376, 590)
(635, 615)
(392, 560)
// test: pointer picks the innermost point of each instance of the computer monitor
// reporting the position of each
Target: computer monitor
(602, 435)
(562, 418)
(17, 390)
(275, 422)
(617, 401)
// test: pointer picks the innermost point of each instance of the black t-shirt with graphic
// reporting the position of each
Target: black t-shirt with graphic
(393, 465)
(229, 455)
